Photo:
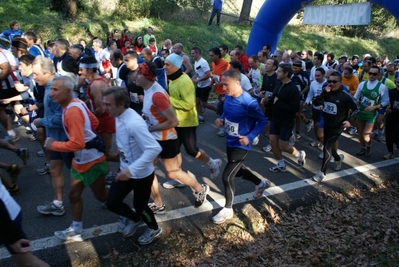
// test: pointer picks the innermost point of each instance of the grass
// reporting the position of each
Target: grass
(183, 28)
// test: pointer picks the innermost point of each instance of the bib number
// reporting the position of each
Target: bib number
(134, 97)
(367, 102)
(395, 105)
(231, 127)
(330, 108)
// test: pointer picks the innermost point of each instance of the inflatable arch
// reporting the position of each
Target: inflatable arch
(274, 15)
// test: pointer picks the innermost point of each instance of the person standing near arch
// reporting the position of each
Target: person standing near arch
(216, 10)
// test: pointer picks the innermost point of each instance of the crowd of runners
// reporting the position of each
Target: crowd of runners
(75, 99)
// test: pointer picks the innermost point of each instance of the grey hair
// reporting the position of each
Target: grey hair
(67, 81)
(119, 94)
(98, 42)
(46, 64)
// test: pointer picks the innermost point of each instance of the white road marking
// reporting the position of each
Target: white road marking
(52, 241)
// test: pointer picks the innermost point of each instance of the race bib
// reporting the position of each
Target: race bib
(299, 87)
(330, 108)
(134, 97)
(231, 127)
(217, 78)
(366, 102)
(395, 104)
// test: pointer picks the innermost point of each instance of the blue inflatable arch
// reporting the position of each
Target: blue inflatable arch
(274, 15)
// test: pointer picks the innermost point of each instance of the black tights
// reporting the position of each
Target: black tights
(141, 194)
(391, 132)
(234, 167)
(331, 136)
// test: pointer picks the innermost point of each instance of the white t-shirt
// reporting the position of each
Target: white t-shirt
(245, 83)
(315, 89)
(201, 67)
(12, 206)
(3, 59)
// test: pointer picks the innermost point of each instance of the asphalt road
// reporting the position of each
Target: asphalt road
(288, 190)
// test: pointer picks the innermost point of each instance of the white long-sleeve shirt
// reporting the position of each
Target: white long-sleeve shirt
(383, 90)
(315, 89)
(137, 147)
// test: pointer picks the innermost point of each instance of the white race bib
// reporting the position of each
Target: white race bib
(231, 127)
(330, 108)
(395, 104)
(134, 97)
(299, 87)
(366, 102)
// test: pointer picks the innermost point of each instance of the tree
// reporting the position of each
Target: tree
(245, 11)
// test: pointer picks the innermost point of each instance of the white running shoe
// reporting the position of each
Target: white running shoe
(215, 170)
(223, 215)
(260, 188)
(172, 184)
(69, 235)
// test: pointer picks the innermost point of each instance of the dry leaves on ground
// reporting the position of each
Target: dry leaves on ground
(359, 228)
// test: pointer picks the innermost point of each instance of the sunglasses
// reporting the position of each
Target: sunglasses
(373, 73)
(332, 81)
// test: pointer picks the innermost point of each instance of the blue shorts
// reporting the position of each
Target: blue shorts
(284, 132)
(381, 111)
(321, 123)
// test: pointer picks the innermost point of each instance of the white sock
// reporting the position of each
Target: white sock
(211, 163)
(11, 132)
(57, 203)
(298, 154)
(77, 226)
(281, 163)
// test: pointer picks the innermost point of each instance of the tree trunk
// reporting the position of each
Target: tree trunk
(70, 8)
(245, 11)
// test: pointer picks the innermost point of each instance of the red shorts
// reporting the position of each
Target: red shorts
(106, 124)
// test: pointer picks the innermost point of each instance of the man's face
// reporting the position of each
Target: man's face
(286, 58)
(40, 77)
(269, 65)
(260, 56)
(176, 49)
(354, 61)
(26, 70)
(319, 77)
(83, 72)
(96, 48)
(230, 86)
(296, 69)
(278, 58)
(251, 63)
(366, 66)
(56, 50)
(112, 47)
(222, 52)
(373, 74)
(110, 106)
(304, 55)
(169, 68)
(347, 74)
(15, 27)
(390, 67)
(316, 61)
(164, 54)
(113, 61)
(280, 74)
(194, 55)
(127, 43)
(149, 31)
(130, 62)
(73, 53)
(233, 56)
(58, 93)
(334, 83)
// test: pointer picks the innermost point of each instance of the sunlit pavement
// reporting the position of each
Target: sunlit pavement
(288, 190)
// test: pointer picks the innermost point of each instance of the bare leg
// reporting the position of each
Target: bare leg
(57, 178)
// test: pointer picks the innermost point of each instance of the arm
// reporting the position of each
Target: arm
(187, 94)
(256, 112)
(187, 64)
(5, 70)
(74, 123)
(96, 90)
(148, 144)
(161, 102)
(54, 120)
